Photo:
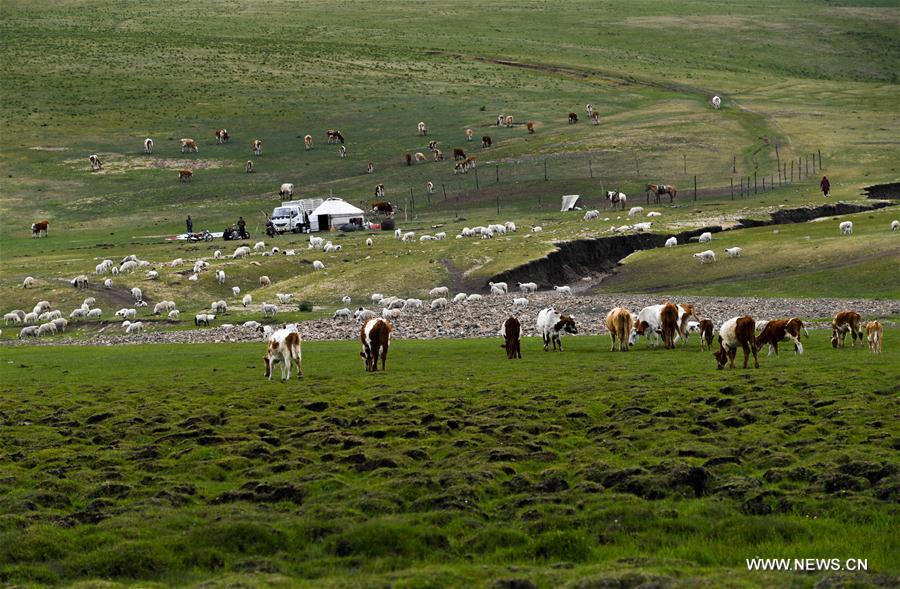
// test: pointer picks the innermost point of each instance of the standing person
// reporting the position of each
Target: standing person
(242, 228)
(190, 224)
(825, 185)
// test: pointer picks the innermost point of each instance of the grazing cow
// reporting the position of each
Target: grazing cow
(148, 145)
(659, 189)
(685, 312)
(185, 175)
(846, 228)
(530, 127)
(379, 191)
(875, 334)
(738, 331)
(458, 154)
(432, 145)
(420, 157)
(284, 347)
(573, 118)
(733, 252)
(307, 142)
(408, 157)
(188, 145)
(370, 168)
(287, 190)
(716, 102)
(469, 134)
(706, 334)
(619, 322)
(509, 120)
(843, 322)
(256, 145)
(551, 324)
(334, 136)
(39, 227)
(647, 324)
(511, 332)
(342, 151)
(248, 167)
(589, 109)
(382, 207)
(429, 187)
(668, 324)
(96, 164)
(500, 120)
(595, 117)
(423, 128)
(616, 198)
(375, 336)
(469, 163)
(779, 330)
(485, 141)
(222, 136)
(438, 155)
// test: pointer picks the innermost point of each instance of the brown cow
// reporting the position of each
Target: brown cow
(706, 334)
(530, 127)
(257, 147)
(739, 331)
(458, 154)
(408, 157)
(188, 144)
(668, 324)
(573, 118)
(512, 334)
(875, 334)
(685, 312)
(375, 336)
(779, 330)
(619, 322)
(37, 228)
(383, 207)
(843, 322)
(595, 117)
(486, 141)
(185, 175)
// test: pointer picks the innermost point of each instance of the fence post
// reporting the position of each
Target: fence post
(764, 184)
(539, 200)
(777, 156)
(792, 170)
(406, 210)
(820, 160)
(444, 188)
(498, 174)
(754, 181)
(684, 161)
(807, 167)
(590, 168)
(732, 189)
(734, 164)
(814, 164)
(412, 198)
(637, 166)
(742, 187)
(545, 171)
(476, 179)
(695, 187)
(498, 202)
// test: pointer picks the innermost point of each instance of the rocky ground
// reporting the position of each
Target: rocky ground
(483, 318)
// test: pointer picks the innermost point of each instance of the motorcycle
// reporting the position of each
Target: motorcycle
(204, 235)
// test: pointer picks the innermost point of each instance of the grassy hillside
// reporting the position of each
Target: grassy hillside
(167, 466)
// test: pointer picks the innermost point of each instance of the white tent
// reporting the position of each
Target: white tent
(334, 212)
(570, 202)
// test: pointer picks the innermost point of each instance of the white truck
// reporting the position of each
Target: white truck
(293, 215)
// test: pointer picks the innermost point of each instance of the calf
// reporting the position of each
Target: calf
(706, 334)
(551, 324)
(738, 331)
(284, 347)
(619, 322)
(779, 330)
(185, 175)
(375, 336)
(511, 330)
(875, 334)
(573, 118)
(843, 322)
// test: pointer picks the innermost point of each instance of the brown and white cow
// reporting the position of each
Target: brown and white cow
(573, 118)
(668, 324)
(706, 334)
(256, 145)
(96, 164)
(370, 168)
(843, 322)
(148, 145)
(185, 175)
(874, 333)
(284, 347)
(458, 154)
(551, 324)
(438, 155)
(469, 134)
(511, 331)
(222, 136)
(308, 142)
(595, 117)
(423, 128)
(619, 322)
(420, 157)
(39, 227)
(375, 336)
(383, 207)
(734, 333)
(188, 145)
(509, 120)
(685, 312)
(335, 136)
(248, 167)
(779, 330)
(379, 191)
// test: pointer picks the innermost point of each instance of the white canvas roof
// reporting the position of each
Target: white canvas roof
(569, 202)
(336, 206)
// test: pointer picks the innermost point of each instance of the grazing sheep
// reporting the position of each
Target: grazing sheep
(528, 287)
(152, 275)
(642, 227)
(440, 235)
(369, 242)
(203, 319)
(126, 313)
(460, 297)
(501, 286)
(520, 303)
(412, 304)
(219, 307)
(265, 281)
(220, 276)
(346, 299)
(246, 300)
(409, 236)
(591, 215)
(241, 252)
(259, 246)
(895, 225)
(28, 282)
(671, 242)
(236, 290)
(317, 265)
(439, 303)
(136, 294)
(60, 323)
(77, 314)
(733, 252)
(705, 237)
(173, 314)
(108, 283)
(377, 297)
(31, 331)
(89, 301)
(135, 327)
(362, 315)
(94, 314)
(217, 255)
(706, 257)
(269, 310)
(473, 297)
(563, 290)
(283, 298)
(344, 313)
(635, 211)
(846, 228)
(439, 291)
(654, 214)
(46, 329)
(80, 281)
(12, 317)
(536, 228)
(391, 313)
(194, 277)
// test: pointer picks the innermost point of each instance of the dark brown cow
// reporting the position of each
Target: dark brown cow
(408, 157)
(843, 322)
(530, 127)
(383, 207)
(573, 118)
(512, 333)
(740, 331)
(486, 141)
(706, 334)
(779, 330)
(335, 136)
(668, 324)
(375, 336)
(458, 154)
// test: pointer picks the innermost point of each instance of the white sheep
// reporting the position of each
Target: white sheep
(391, 313)
(439, 291)
(706, 257)
(412, 304)
(846, 228)
(236, 290)
(362, 315)
(654, 214)
(217, 255)
(642, 227)
(247, 300)
(377, 297)
(520, 303)
(369, 242)
(536, 228)
(346, 300)
(135, 327)
(219, 307)
(220, 276)
(143, 264)
(13, 317)
(80, 281)
(460, 297)
(427, 238)
(733, 252)
(31, 331)
(94, 314)
(28, 282)
(344, 313)
(126, 313)
(241, 252)
(265, 281)
(511, 227)
(409, 236)
(60, 324)
(194, 277)
(136, 294)
(203, 319)
(108, 283)
(173, 314)
(635, 211)
(290, 253)
(283, 298)
(316, 242)
(259, 246)
(317, 265)
(500, 285)
(176, 262)
(439, 303)
(671, 242)
(528, 287)
(89, 301)
(251, 324)
(46, 329)
(563, 290)
(895, 225)
(440, 235)
(269, 310)
(591, 215)
(152, 275)
(77, 314)
(705, 237)
(496, 290)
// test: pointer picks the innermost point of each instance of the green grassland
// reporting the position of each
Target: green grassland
(163, 466)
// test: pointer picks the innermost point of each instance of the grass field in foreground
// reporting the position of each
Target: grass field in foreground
(163, 466)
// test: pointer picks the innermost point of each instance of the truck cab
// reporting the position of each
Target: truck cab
(293, 216)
